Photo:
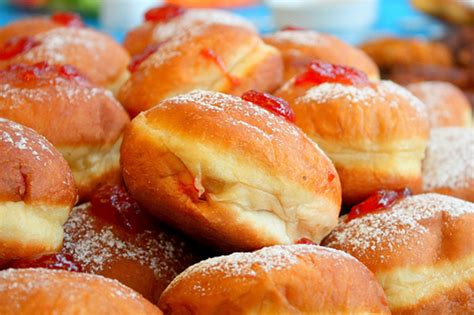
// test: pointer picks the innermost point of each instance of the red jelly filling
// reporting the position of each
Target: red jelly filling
(331, 176)
(68, 72)
(319, 72)
(116, 206)
(192, 192)
(164, 13)
(214, 57)
(380, 200)
(305, 240)
(271, 103)
(69, 19)
(50, 261)
(293, 28)
(16, 46)
(44, 70)
(138, 59)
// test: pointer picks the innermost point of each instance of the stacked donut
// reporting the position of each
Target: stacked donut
(420, 248)
(100, 213)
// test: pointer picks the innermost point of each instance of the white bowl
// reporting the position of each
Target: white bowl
(332, 16)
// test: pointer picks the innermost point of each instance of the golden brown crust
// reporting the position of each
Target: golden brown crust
(299, 48)
(95, 54)
(68, 112)
(181, 61)
(83, 121)
(465, 193)
(420, 249)
(297, 279)
(359, 180)
(37, 193)
(192, 182)
(392, 52)
(139, 38)
(146, 260)
(32, 170)
(26, 27)
(42, 291)
(417, 231)
(350, 115)
(457, 301)
(446, 104)
(354, 125)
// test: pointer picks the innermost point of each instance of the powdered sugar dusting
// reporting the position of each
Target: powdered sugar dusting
(364, 95)
(258, 121)
(25, 139)
(215, 101)
(94, 248)
(165, 31)
(22, 281)
(265, 260)
(433, 95)
(330, 91)
(449, 161)
(300, 37)
(54, 43)
(395, 225)
(58, 88)
(170, 48)
(387, 88)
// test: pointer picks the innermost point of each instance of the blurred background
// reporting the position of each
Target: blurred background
(352, 20)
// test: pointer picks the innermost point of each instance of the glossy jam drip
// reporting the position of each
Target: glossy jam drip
(68, 72)
(293, 28)
(214, 57)
(331, 177)
(380, 200)
(164, 13)
(68, 19)
(319, 72)
(114, 205)
(50, 261)
(306, 241)
(138, 59)
(271, 103)
(43, 70)
(16, 46)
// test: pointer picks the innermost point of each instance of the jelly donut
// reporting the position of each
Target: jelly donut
(34, 25)
(420, 248)
(225, 171)
(112, 237)
(448, 167)
(375, 133)
(164, 22)
(197, 59)
(36, 193)
(42, 291)
(128, 246)
(291, 279)
(96, 55)
(299, 47)
(83, 121)
(446, 104)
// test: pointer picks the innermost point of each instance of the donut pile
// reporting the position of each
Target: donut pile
(202, 169)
